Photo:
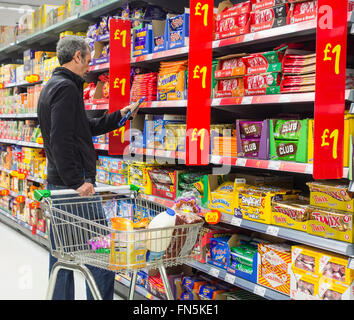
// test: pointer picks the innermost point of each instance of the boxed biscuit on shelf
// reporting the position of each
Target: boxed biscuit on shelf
(252, 139)
(292, 214)
(274, 261)
(288, 139)
(331, 194)
(269, 18)
(232, 20)
(177, 27)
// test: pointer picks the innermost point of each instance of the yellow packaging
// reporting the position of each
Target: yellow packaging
(139, 176)
(305, 259)
(255, 202)
(128, 246)
(303, 286)
(331, 224)
(175, 137)
(330, 290)
(333, 267)
(171, 86)
(331, 194)
(224, 196)
(291, 214)
(348, 126)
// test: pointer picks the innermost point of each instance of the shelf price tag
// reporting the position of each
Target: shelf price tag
(259, 290)
(230, 278)
(272, 230)
(119, 80)
(214, 272)
(331, 52)
(199, 82)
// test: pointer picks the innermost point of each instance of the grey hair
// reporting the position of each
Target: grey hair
(69, 45)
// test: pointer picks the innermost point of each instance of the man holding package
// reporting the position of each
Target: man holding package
(67, 135)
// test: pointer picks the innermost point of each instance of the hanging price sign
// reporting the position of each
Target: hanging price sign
(119, 80)
(199, 82)
(20, 199)
(4, 192)
(331, 52)
(1, 85)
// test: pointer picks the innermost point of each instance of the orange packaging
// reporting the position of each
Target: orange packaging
(275, 280)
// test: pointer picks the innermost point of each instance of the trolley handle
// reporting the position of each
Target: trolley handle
(41, 194)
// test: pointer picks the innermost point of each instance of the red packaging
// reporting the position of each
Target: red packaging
(302, 11)
(263, 4)
(257, 84)
(269, 18)
(230, 67)
(237, 9)
(230, 88)
(233, 26)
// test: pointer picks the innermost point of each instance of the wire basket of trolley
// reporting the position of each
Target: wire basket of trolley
(118, 230)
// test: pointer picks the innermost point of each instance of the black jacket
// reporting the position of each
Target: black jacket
(67, 132)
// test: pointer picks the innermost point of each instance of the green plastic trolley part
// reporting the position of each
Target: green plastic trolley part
(40, 194)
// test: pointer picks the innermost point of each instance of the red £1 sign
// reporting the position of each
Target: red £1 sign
(199, 82)
(119, 80)
(331, 52)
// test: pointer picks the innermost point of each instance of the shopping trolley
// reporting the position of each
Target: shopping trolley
(82, 232)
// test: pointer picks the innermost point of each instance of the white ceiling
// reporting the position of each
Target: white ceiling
(9, 17)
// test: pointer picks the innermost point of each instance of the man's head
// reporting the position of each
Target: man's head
(74, 53)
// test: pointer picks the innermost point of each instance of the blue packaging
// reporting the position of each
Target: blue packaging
(142, 279)
(159, 34)
(220, 252)
(178, 30)
(142, 41)
(185, 295)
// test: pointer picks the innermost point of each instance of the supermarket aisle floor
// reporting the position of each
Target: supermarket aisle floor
(24, 268)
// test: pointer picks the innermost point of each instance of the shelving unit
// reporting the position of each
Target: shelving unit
(266, 38)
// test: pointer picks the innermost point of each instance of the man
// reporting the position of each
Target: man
(67, 135)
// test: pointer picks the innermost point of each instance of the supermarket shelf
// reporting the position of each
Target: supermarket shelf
(22, 84)
(100, 67)
(100, 146)
(22, 143)
(39, 180)
(340, 247)
(101, 106)
(158, 56)
(287, 32)
(239, 282)
(140, 292)
(308, 97)
(24, 228)
(18, 116)
(285, 166)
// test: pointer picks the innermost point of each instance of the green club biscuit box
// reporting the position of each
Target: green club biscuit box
(288, 140)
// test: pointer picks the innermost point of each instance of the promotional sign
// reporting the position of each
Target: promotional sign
(331, 53)
(33, 78)
(119, 81)
(199, 82)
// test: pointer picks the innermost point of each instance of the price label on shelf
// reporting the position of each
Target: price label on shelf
(274, 165)
(241, 162)
(309, 168)
(236, 221)
(259, 290)
(351, 263)
(230, 278)
(284, 98)
(247, 100)
(214, 272)
(272, 230)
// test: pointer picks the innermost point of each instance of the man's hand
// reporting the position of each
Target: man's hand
(87, 189)
(125, 110)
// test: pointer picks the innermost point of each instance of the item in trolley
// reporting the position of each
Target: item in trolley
(128, 244)
(158, 241)
(100, 244)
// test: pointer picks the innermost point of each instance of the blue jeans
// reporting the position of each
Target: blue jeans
(64, 287)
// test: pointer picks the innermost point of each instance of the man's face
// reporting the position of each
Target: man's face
(83, 65)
